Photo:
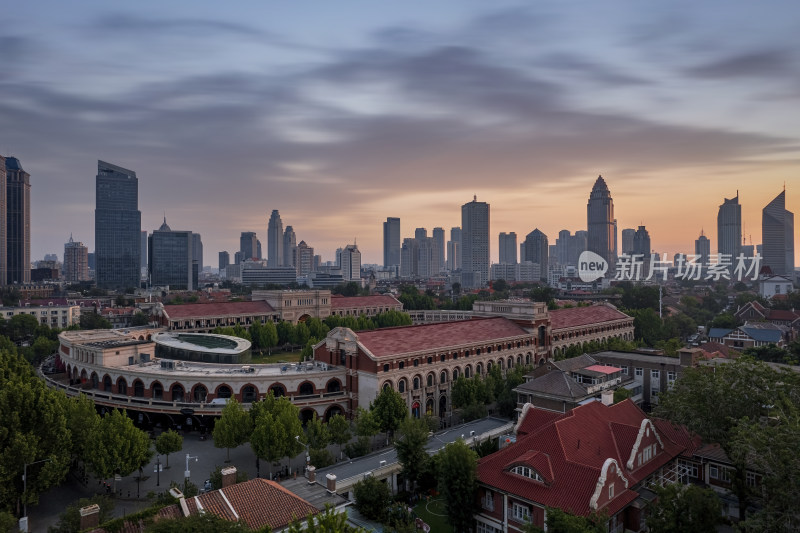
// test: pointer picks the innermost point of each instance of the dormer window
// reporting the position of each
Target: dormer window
(528, 472)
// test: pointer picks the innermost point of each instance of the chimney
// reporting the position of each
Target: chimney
(228, 476)
(90, 516)
(331, 483)
(312, 474)
(607, 397)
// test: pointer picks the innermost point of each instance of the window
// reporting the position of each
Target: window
(639, 372)
(624, 369)
(527, 472)
(521, 513)
(713, 472)
(488, 500)
(386, 367)
(655, 374)
(751, 479)
(671, 377)
(416, 362)
(402, 365)
(611, 491)
(486, 528)
(441, 358)
(430, 360)
(654, 393)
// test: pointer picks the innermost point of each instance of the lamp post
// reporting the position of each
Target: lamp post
(25, 483)
(158, 470)
(187, 473)
(308, 457)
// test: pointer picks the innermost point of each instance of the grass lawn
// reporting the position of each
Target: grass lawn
(281, 357)
(438, 523)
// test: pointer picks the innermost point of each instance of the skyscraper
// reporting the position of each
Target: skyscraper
(600, 222)
(474, 244)
(275, 240)
(420, 233)
(18, 222)
(627, 240)
(3, 215)
(439, 247)
(197, 250)
(304, 259)
(143, 252)
(702, 248)
(76, 261)
(289, 247)
(409, 258)
(171, 259)
(508, 248)
(224, 261)
(351, 263)
(537, 250)
(729, 227)
(391, 242)
(117, 228)
(454, 249)
(777, 236)
(248, 246)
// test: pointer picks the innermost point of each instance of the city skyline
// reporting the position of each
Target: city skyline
(384, 106)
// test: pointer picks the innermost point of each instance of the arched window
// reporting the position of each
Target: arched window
(158, 391)
(277, 391)
(455, 374)
(95, 380)
(416, 383)
(479, 369)
(200, 393)
(122, 386)
(387, 385)
(334, 386)
(224, 392)
(138, 388)
(468, 372)
(443, 377)
(401, 385)
(177, 393)
(249, 394)
(430, 380)
(305, 389)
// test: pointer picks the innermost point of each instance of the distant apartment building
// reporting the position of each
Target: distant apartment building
(508, 248)
(391, 242)
(76, 261)
(171, 259)
(474, 244)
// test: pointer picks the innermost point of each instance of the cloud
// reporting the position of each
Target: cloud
(761, 64)
(128, 23)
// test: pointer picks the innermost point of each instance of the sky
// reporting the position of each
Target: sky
(340, 114)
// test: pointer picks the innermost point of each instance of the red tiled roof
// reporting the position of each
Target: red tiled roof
(577, 444)
(377, 300)
(712, 348)
(261, 502)
(582, 316)
(396, 341)
(176, 312)
(782, 314)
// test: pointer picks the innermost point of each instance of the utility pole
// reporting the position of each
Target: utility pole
(158, 470)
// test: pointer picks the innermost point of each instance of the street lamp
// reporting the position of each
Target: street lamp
(187, 473)
(25, 483)
(308, 457)
(158, 470)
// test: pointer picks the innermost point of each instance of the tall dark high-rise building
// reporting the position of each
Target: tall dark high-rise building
(248, 246)
(143, 251)
(224, 261)
(474, 244)
(3, 215)
(289, 247)
(729, 227)
(391, 242)
(627, 240)
(508, 248)
(439, 248)
(601, 222)
(18, 222)
(702, 248)
(117, 228)
(777, 236)
(171, 259)
(275, 240)
(537, 250)
(197, 250)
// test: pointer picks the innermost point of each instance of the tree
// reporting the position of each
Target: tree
(685, 508)
(410, 448)
(199, 522)
(139, 319)
(646, 325)
(458, 483)
(233, 427)
(82, 420)
(317, 434)
(286, 333)
(94, 321)
(33, 431)
(339, 429)
(70, 519)
(169, 442)
(717, 402)
(302, 333)
(276, 426)
(328, 521)
(117, 446)
(559, 521)
(389, 409)
(367, 424)
(372, 497)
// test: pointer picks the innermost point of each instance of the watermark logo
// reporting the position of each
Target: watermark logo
(591, 266)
